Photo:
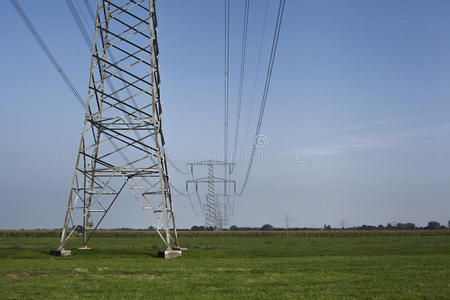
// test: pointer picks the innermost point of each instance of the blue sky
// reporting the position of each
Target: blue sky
(359, 87)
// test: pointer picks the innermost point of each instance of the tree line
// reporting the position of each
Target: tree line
(432, 225)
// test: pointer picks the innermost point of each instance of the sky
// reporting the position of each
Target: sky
(356, 127)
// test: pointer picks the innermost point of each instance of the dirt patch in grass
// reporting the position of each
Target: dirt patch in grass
(19, 275)
(81, 270)
(147, 276)
(134, 276)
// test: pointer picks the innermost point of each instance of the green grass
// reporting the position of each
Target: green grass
(385, 267)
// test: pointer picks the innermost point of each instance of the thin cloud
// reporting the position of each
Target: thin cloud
(338, 148)
(377, 141)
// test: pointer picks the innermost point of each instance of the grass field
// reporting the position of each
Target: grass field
(383, 267)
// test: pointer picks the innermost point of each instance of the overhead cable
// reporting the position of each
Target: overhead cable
(258, 63)
(266, 90)
(227, 76)
(241, 81)
(47, 51)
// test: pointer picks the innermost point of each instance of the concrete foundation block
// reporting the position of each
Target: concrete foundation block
(61, 252)
(169, 253)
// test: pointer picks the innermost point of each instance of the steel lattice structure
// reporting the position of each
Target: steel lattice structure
(216, 212)
(122, 142)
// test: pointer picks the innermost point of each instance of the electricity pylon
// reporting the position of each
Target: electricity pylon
(122, 141)
(216, 212)
(288, 219)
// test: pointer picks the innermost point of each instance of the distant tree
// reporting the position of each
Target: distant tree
(406, 226)
(367, 227)
(233, 227)
(448, 224)
(380, 227)
(267, 227)
(326, 227)
(389, 226)
(433, 225)
(151, 228)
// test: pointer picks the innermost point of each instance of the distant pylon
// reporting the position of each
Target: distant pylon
(212, 217)
(122, 141)
(216, 212)
(288, 219)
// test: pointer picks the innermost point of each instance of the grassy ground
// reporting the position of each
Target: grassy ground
(385, 267)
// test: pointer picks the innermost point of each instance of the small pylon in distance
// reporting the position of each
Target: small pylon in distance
(216, 212)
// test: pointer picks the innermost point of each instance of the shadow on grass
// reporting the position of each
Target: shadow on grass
(99, 253)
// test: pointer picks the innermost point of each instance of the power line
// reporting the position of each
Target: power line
(227, 76)
(258, 63)
(47, 51)
(227, 83)
(79, 22)
(176, 168)
(266, 90)
(198, 196)
(90, 10)
(78, 5)
(241, 79)
(192, 205)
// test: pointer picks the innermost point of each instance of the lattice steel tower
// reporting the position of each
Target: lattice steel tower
(216, 212)
(122, 142)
